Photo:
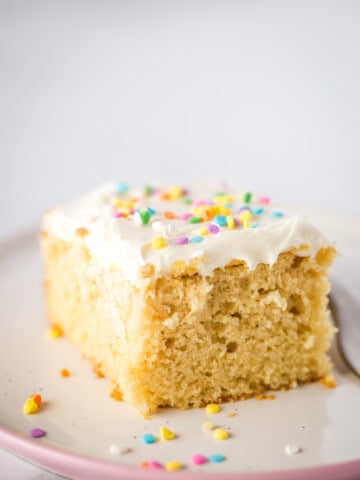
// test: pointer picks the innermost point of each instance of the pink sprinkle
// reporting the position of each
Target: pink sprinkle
(237, 223)
(198, 459)
(264, 200)
(185, 216)
(154, 464)
(181, 241)
(118, 215)
(212, 228)
(37, 433)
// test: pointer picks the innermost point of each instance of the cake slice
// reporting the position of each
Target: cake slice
(182, 297)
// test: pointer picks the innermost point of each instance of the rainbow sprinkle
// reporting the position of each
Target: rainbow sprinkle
(221, 214)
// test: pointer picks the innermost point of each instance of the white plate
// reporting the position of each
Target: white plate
(81, 420)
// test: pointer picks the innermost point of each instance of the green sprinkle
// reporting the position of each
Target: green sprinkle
(194, 219)
(186, 200)
(219, 194)
(148, 190)
(145, 217)
(247, 197)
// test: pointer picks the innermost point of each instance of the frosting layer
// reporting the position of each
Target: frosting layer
(132, 227)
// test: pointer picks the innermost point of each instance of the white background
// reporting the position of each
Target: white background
(262, 93)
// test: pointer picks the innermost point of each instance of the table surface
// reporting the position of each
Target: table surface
(14, 468)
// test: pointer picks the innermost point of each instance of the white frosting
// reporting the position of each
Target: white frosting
(127, 243)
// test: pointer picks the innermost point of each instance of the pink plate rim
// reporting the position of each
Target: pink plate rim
(79, 467)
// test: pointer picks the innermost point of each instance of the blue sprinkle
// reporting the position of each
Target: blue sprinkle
(254, 225)
(122, 187)
(257, 210)
(148, 438)
(216, 458)
(276, 214)
(229, 205)
(197, 239)
(151, 210)
(220, 220)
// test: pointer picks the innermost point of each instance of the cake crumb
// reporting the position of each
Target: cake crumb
(54, 332)
(328, 381)
(292, 450)
(263, 396)
(231, 414)
(207, 426)
(82, 231)
(97, 371)
(116, 395)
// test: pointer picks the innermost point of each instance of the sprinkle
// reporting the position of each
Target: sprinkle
(172, 465)
(213, 228)
(37, 433)
(220, 220)
(220, 434)
(276, 214)
(181, 241)
(212, 408)
(148, 438)
(158, 226)
(118, 449)
(148, 190)
(292, 450)
(198, 459)
(37, 399)
(207, 426)
(230, 222)
(166, 434)
(247, 197)
(185, 216)
(144, 464)
(186, 200)
(194, 220)
(203, 232)
(155, 465)
(30, 406)
(197, 239)
(216, 458)
(118, 215)
(64, 372)
(150, 210)
(257, 210)
(168, 215)
(122, 187)
(264, 200)
(254, 225)
(158, 242)
(54, 332)
(174, 192)
(244, 218)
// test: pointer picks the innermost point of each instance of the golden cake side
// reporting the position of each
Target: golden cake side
(184, 339)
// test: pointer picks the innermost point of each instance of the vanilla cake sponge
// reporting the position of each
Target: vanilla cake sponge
(188, 296)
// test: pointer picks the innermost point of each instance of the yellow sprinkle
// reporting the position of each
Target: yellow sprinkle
(158, 242)
(212, 408)
(54, 332)
(166, 434)
(172, 465)
(221, 199)
(203, 232)
(230, 222)
(224, 210)
(174, 192)
(30, 406)
(245, 217)
(207, 426)
(220, 434)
